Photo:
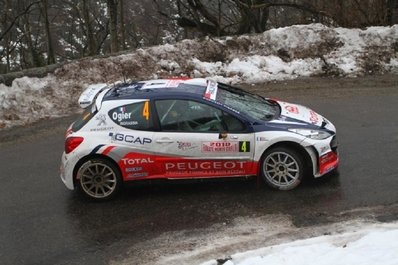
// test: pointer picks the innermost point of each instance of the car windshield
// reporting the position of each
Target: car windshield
(250, 104)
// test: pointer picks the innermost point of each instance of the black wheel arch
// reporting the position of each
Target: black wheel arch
(93, 156)
(298, 148)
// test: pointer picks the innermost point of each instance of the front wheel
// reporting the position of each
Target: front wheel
(282, 168)
(99, 179)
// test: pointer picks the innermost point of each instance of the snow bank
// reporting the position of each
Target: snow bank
(277, 54)
(377, 244)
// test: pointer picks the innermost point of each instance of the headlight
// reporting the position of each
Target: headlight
(313, 134)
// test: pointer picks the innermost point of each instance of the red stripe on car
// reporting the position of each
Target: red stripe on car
(107, 150)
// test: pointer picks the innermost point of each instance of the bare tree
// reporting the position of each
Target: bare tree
(112, 12)
(89, 29)
(50, 48)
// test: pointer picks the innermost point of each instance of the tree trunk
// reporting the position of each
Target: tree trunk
(122, 30)
(34, 58)
(89, 29)
(50, 49)
(392, 12)
(112, 13)
(7, 37)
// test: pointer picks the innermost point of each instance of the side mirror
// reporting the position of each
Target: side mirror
(223, 135)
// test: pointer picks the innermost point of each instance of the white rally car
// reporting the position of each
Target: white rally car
(191, 128)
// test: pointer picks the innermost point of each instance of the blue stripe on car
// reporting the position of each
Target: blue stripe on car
(96, 149)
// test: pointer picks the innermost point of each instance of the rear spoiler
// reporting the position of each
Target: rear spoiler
(90, 94)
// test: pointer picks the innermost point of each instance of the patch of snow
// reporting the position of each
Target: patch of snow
(374, 244)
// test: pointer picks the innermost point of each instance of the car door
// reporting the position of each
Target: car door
(194, 141)
(131, 139)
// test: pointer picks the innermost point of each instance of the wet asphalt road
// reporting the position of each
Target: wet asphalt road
(43, 223)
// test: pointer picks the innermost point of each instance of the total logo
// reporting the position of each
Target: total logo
(137, 161)
(130, 138)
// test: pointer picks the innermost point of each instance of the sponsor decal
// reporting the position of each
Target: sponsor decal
(101, 129)
(156, 166)
(324, 148)
(185, 146)
(292, 109)
(131, 139)
(137, 161)
(226, 147)
(133, 169)
(206, 168)
(204, 165)
(222, 105)
(314, 118)
(211, 90)
(174, 82)
(328, 162)
(137, 175)
(101, 118)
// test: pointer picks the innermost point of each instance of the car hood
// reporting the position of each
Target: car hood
(301, 115)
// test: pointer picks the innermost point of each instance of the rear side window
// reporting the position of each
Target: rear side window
(136, 116)
(88, 113)
(191, 116)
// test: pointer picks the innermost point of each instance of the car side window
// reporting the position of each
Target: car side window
(191, 116)
(136, 116)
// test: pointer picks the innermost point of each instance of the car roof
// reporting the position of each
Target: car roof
(158, 88)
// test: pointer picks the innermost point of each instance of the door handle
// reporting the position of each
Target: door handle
(164, 140)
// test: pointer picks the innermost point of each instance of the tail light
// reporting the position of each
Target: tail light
(71, 143)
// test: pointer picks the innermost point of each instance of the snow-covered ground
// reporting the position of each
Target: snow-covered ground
(283, 53)
(370, 245)
(349, 237)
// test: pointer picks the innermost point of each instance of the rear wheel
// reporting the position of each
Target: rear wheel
(99, 179)
(282, 168)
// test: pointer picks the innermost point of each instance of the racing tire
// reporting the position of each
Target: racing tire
(282, 168)
(99, 179)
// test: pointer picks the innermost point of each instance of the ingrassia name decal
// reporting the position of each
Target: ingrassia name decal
(226, 147)
(131, 123)
(130, 138)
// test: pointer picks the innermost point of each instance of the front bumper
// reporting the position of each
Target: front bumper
(324, 155)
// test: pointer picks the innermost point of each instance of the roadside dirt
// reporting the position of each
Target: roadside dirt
(242, 234)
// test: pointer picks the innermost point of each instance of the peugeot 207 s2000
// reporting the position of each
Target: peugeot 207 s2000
(191, 128)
